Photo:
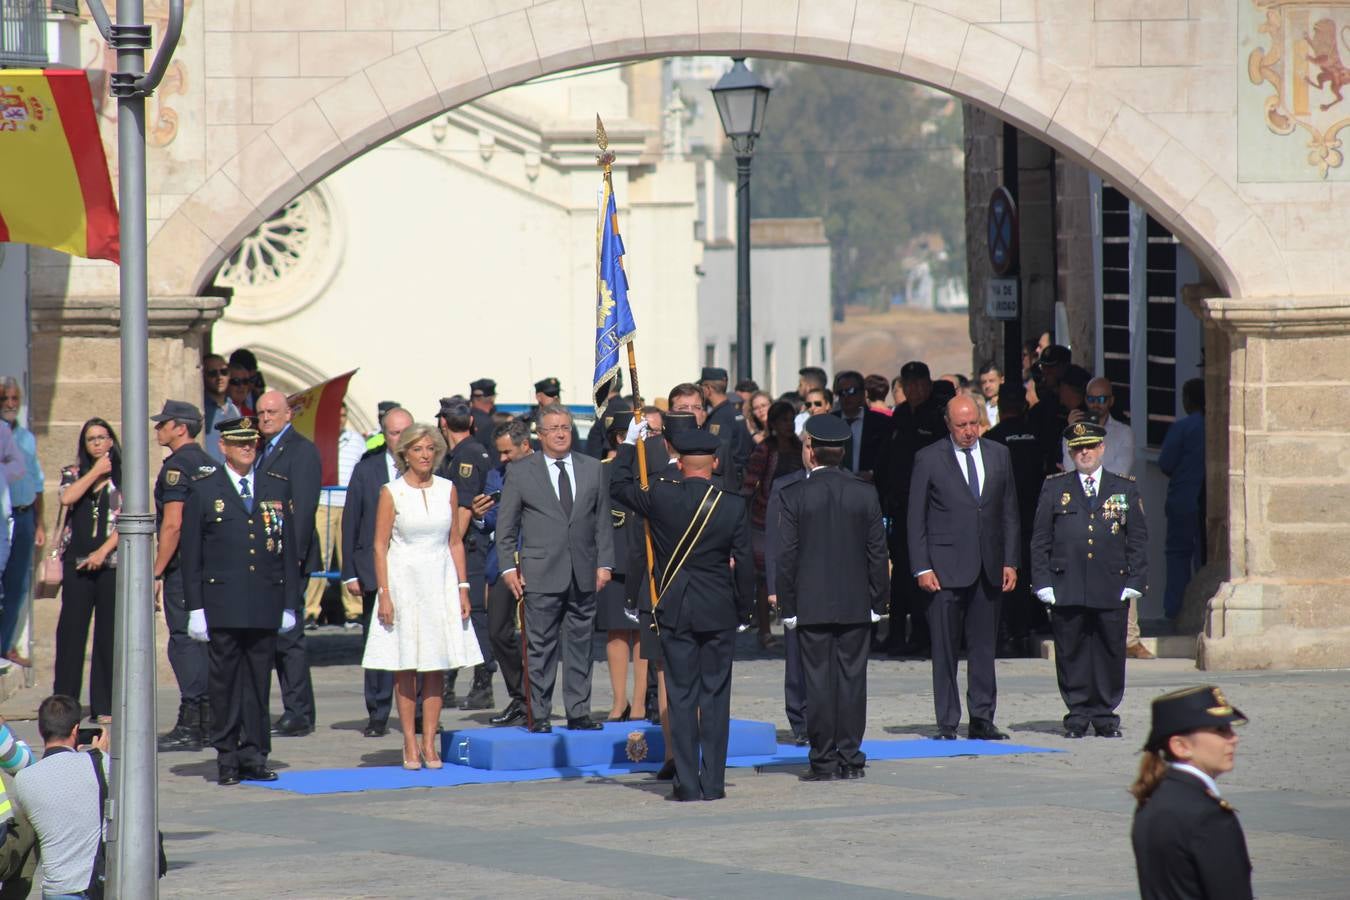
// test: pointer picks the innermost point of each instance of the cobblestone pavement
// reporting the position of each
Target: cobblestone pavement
(1043, 825)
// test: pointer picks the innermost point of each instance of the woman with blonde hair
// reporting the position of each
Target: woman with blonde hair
(1187, 840)
(422, 626)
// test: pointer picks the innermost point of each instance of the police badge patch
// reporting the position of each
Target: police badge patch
(219, 505)
(714, 429)
(465, 470)
(172, 477)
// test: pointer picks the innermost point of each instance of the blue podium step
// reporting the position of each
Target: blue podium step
(509, 749)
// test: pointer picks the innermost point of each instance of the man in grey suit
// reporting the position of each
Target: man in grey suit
(557, 503)
(964, 548)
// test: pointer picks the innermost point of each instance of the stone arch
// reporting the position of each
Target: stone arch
(939, 47)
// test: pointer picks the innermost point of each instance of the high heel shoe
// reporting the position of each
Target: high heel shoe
(624, 716)
(431, 760)
(414, 765)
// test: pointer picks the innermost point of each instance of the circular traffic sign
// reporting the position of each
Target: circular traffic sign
(1002, 232)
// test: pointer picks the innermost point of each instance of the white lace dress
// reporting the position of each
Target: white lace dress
(428, 634)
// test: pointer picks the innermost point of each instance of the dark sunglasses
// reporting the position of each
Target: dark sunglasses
(816, 403)
(240, 381)
(216, 373)
(1099, 398)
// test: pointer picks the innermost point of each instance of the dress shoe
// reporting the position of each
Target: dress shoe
(683, 796)
(585, 723)
(983, 730)
(813, 775)
(288, 726)
(480, 694)
(667, 772)
(257, 773)
(514, 714)
(541, 728)
(1109, 731)
(376, 729)
(227, 778)
(1139, 651)
(944, 733)
(720, 795)
(849, 772)
(1074, 733)
(801, 740)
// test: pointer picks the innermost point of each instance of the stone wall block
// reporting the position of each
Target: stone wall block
(1277, 456)
(342, 53)
(255, 53)
(1325, 501)
(308, 141)
(507, 48)
(261, 172)
(769, 24)
(298, 15)
(1262, 273)
(405, 15)
(455, 67)
(1299, 408)
(180, 256)
(970, 10)
(1320, 553)
(229, 15)
(1116, 43)
(462, 13)
(1174, 178)
(1138, 9)
(561, 34)
(355, 112)
(824, 27)
(405, 88)
(933, 46)
(986, 66)
(1128, 146)
(671, 26)
(273, 98)
(880, 30)
(719, 24)
(1309, 359)
(1035, 91)
(77, 401)
(229, 101)
(1082, 117)
(217, 207)
(1318, 606)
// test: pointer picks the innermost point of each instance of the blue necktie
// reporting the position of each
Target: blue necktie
(972, 475)
(245, 495)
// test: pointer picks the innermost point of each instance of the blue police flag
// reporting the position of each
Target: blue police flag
(614, 324)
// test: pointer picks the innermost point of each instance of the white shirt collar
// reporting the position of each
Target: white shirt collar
(1095, 475)
(1204, 777)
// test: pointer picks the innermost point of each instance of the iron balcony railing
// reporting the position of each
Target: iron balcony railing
(23, 33)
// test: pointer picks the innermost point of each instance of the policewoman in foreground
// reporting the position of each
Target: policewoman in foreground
(1188, 842)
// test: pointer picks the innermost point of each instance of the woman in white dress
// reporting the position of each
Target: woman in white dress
(422, 625)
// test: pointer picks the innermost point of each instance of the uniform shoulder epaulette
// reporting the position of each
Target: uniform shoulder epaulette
(277, 475)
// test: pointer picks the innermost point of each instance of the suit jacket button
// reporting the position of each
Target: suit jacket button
(1089, 557)
(250, 568)
(1089, 544)
(251, 551)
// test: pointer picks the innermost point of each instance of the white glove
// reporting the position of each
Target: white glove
(790, 622)
(1046, 595)
(197, 625)
(637, 430)
(742, 628)
(876, 617)
(1129, 594)
(287, 620)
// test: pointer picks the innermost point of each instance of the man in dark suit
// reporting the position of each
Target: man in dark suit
(832, 585)
(557, 504)
(868, 429)
(964, 550)
(240, 584)
(700, 600)
(284, 451)
(915, 424)
(726, 422)
(376, 469)
(1089, 550)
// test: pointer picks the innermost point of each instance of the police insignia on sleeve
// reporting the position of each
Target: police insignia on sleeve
(465, 470)
(172, 477)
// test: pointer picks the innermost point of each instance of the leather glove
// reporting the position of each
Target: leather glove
(1046, 595)
(1129, 594)
(790, 622)
(287, 620)
(197, 625)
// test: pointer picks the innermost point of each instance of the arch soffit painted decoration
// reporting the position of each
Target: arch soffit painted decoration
(1091, 125)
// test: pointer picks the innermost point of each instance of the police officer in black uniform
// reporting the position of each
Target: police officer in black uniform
(1048, 417)
(615, 409)
(700, 601)
(546, 393)
(241, 579)
(1089, 549)
(832, 584)
(467, 464)
(482, 404)
(726, 421)
(176, 428)
(1188, 843)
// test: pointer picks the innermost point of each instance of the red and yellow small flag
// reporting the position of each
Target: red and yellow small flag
(56, 192)
(315, 413)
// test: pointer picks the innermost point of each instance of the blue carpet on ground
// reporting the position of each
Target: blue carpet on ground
(388, 778)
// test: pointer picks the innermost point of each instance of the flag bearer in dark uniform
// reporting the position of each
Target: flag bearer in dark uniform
(467, 465)
(240, 580)
(726, 420)
(1188, 843)
(696, 530)
(176, 427)
(832, 585)
(1089, 552)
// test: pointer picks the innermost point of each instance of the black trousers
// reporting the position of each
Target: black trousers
(906, 598)
(560, 625)
(972, 610)
(378, 683)
(478, 615)
(297, 691)
(1090, 663)
(86, 595)
(834, 663)
(794, 683)
(505, 639)
(189, 659)
(698, 691)
(241, 676)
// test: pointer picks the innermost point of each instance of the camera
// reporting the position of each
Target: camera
(86, 736)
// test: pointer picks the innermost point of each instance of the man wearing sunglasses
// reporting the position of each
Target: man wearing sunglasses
(216, 403)
(869, 428)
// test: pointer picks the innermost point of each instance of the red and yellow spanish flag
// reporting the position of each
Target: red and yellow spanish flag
(56, 192)
(315, 414)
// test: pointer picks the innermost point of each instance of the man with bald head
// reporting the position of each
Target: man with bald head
(288, 454)
(965, 544)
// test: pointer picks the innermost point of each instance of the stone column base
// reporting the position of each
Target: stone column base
(1265, 624)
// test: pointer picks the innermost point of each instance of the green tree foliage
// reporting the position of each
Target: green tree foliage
(877, 158)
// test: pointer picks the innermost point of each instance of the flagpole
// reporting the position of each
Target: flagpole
(606, 160)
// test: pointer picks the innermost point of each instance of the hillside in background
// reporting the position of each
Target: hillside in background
(880, 343)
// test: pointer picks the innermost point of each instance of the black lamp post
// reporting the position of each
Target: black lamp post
(741, 100)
